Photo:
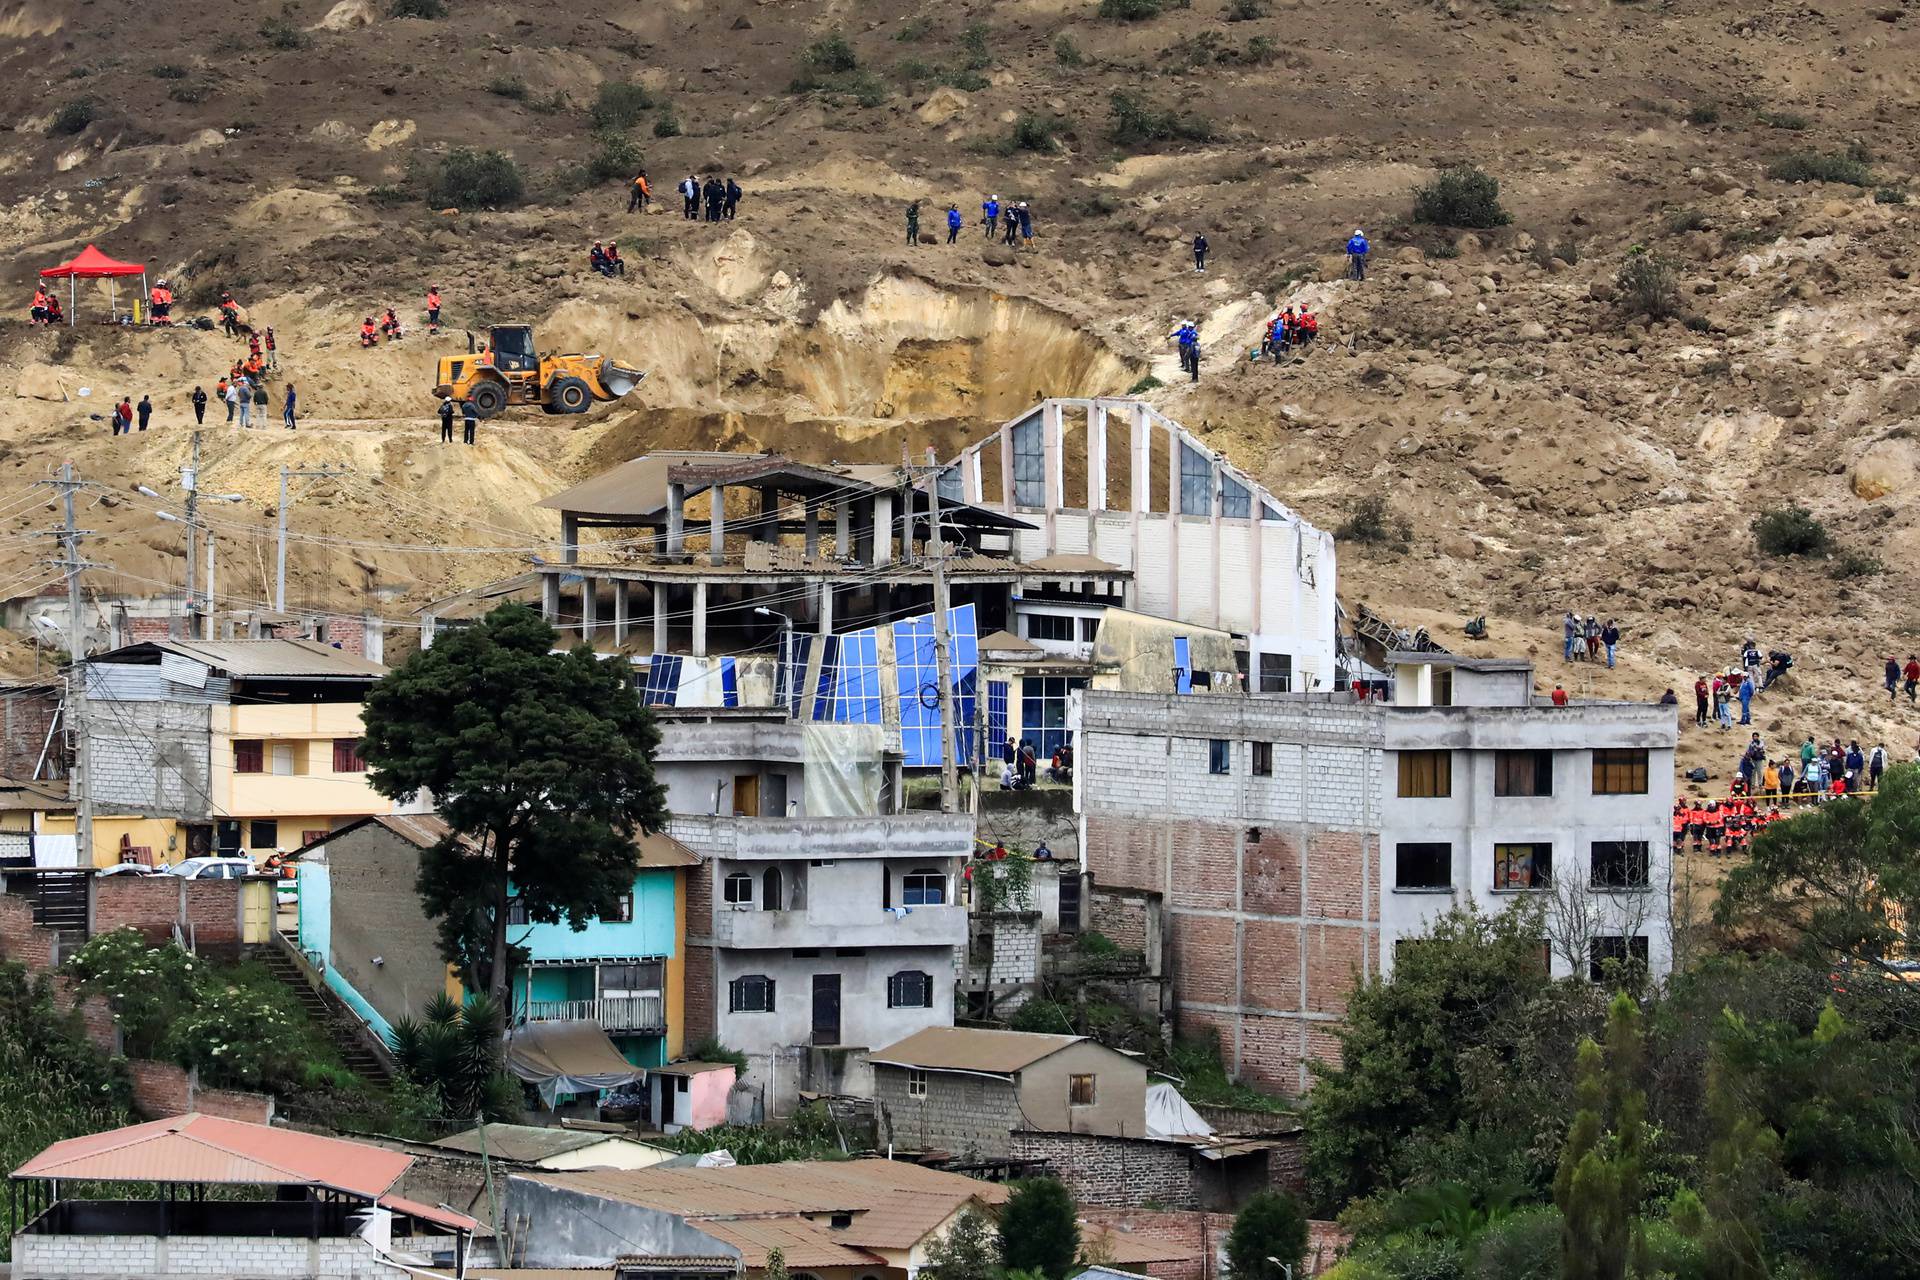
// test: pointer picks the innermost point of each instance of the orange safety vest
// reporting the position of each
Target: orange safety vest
(433, 300)
(1716, 820)
(367, 330)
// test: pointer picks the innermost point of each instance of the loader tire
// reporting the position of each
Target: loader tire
(569, 395)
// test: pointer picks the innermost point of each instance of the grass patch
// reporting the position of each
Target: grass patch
(167, 71)
(1858, 564)
(1246, 11)
(74, 117)
(1204, 1079)
(508, 87)
(1146, 384)
(469, 179)
(1463, 196)
(1681, 220)
(1130, 10)
(1133, 120)
(1067, 53)
(1704, 113)
(666, 124)
(419, 9)
(619, 105)
(1791, 120)
(1814, 166)
(914, 29)
(282, 34)
(1791, 530)
(190, 92)
(977, 54)
(1890, 195)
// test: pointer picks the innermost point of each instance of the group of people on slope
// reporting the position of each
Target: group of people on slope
(1588, 641)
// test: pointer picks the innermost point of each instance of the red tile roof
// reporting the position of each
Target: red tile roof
(199, 1148)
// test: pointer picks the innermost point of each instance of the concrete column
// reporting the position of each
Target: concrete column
(589, 608)
(717, 527)
(699, 619)
(813, 527)
(570, 537)
(427, 623)
(767, 530)
(842, 527)
(550, 597)
(1142, 460)
(660, 593)
(826, 608)
(1096, 458)
(883, 528)
(622, 607)
(1176, 508)
(970, 475)
(676, 519)
(1256, 544)
(1006, 468)
(1214, 505)
(1052, 470)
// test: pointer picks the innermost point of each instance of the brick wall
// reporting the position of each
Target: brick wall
(207, 911)
(162, 1089)
(967, 1116)
(26, 715)
(23, 940)
(1004, 951)
(141, 630)
(699, 981)
(1201, 1236)
(1270, 880)
(1112, 1171)
(52, 1257)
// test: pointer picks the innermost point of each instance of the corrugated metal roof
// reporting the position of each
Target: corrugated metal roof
(801, 1243)
(658, 849)
(201, 1148)
(527, 1143)
(452, 1219)
(264, 658)
(972, 1049)
(894, 1204)
(18, 794)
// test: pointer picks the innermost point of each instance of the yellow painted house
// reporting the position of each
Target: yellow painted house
(202, 747)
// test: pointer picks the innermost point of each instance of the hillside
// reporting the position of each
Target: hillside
(1548, 449)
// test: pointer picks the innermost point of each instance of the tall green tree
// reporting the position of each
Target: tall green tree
(1040, 1229)
(542, 765)
(1845, 877)
(966, 1252)
(1269, 1231)
(1598, 1187)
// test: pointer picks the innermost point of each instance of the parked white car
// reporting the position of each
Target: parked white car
(212, 868)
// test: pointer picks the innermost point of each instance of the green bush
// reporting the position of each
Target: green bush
(1371, 520)
(711, 1050)
(973, 44)
(1067, 53)
(614, 155)
(1130, 10)
(75, 116)
(389, 195)
(190, 93)
(1679, 220)
(1813, 166)
(1890, 195)
(470, 179)
(1260, 51)
(508, 87)
(1049, 1017)
(619, 104)
(1095, 943)
(1463, 196)
(1146, 384)
(1414, 1257)
(1032, 132)
(1524, 1245)
(1671, 1253)
(282, 34)
(1858, 564)
(419, 9)
(237, 1037)
(1647, 286)
(149, 987)
(1134, 121)
(1792, 120)
(1791, 530)
(914, 29)
(666, 124)
(1704, 113)
(1246, 10)
(831, 55)
(167, 71)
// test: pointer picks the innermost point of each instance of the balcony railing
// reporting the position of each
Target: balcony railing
(613, 1013)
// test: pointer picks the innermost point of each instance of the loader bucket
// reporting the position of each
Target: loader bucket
(618, 379)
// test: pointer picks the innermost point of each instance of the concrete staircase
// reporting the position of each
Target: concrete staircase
(326, 1012)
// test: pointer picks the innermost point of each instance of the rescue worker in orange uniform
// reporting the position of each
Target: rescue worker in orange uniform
(1680, 821)
(369, 336)
(1716, 829)
(433, 308)
(162, 299)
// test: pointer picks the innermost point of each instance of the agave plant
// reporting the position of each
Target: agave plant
(454, 1049)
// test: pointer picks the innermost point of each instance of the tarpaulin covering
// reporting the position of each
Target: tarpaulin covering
(91, 264)
(843, 769)
(567, 1057)
(1139, 654)
(1169, 1116)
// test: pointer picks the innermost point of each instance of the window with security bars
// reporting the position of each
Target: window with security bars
(752, 993)
(910, 990)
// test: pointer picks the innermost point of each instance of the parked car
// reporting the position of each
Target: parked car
(212, 868)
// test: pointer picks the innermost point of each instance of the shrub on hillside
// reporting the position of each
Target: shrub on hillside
(470, 179)
(1246, 10)
(167, 71)
(666, 124)
(282, 34)
(614, 155)
(508, 87)
(1135, 120)
(1647, 286)
(1463, 196)
(419, 9)
(1033, 132)
(620, 104)
(831, 55)
(973, 44)
(75, 116)
(1790, 120)
(1067, 53)
(1704, 113)
(1130, 10)
(1370, 520)
(1813, 166)
(1791, 530)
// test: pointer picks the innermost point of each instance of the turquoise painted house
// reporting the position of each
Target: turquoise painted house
(361, 925)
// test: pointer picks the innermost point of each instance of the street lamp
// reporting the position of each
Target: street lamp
(1284, 1266)
(786, 633)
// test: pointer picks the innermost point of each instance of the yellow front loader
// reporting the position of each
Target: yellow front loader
(509, 370)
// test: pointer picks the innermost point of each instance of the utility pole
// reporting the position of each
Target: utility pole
(280, 557)
(950, 729)
(190, 481)
(81, 784)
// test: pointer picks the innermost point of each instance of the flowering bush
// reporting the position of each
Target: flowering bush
(237, 1037)
(148, 986)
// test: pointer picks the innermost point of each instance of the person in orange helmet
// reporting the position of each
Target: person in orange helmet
(369, 335)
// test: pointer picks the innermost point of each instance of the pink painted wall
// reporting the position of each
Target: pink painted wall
(707, 1097)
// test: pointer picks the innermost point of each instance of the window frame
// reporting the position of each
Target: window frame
(727, 891)
(347, 757)
(1077, 1096)
(1506, 869)
(1438, 764)
(1280, 679)
(624, 907)
(1053, 623)
(898, 996)
(1220, 757)
(1633, 949)
(1607, 760)
(1628, 860)
(1027, 443)
(759, 983)
(1262, 759)
(931, 880)
(917, 1082)
(1196, 473)
(1520, 774)
(254, 832)
(249, 755)
(1418, 848)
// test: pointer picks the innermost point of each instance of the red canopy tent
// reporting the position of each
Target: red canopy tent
(91, 264)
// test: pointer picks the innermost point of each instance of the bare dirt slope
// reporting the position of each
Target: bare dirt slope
(1547, 449)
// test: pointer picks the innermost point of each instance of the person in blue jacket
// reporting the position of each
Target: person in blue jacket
(1357, 255)
(990, 215)
(1188, 336)
(953, 223)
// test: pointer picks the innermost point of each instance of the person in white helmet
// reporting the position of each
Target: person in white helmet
(1357, 255)
(990, 214)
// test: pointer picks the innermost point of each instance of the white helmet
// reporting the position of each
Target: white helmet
(993, 197)
(1357, 231)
